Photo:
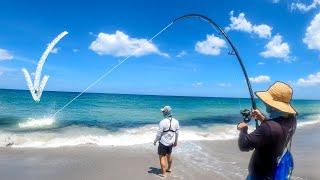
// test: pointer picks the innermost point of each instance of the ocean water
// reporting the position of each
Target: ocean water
(121, 120)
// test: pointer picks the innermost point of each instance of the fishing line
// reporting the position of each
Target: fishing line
(187, 16)
(111, 70)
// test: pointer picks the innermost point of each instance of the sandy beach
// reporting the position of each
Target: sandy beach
(192, 160)
(88, 87)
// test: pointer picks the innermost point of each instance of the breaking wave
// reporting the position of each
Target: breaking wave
(82, 135)
(309, 121)
(76, 135)
(37, 123)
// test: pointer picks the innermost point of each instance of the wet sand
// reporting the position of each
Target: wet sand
(192, 160)
(305, 149)
(89, 163)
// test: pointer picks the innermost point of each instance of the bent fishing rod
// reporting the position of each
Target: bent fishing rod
(245, 113)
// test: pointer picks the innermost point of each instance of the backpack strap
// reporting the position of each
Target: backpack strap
(291, 132)
(169, 127)
(288, 137)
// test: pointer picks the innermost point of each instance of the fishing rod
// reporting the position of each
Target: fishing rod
(245, 113)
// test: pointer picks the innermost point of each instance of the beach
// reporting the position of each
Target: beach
(192, 160)
(89, 90)
(109, 136)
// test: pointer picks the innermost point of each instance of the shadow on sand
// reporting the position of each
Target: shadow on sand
(153, 170)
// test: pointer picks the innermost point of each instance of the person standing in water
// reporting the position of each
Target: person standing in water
(167, 135)
(274, 133)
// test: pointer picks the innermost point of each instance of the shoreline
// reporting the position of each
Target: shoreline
(219, 159)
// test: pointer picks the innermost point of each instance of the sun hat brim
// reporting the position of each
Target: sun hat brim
(266, 97)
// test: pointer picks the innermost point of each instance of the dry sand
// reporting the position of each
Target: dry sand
(192, 160)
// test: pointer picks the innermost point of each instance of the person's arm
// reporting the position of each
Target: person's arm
(176, 141)
(159, 133)
(177, 135)
(247, 142)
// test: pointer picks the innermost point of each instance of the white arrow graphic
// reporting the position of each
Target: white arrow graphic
(36, 88)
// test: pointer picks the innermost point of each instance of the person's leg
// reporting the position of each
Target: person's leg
(169, 159)
(163, 164)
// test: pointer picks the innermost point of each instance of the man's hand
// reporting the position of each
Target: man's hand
(256, 114)
(175, 144)
(242, 125)
(154, 143)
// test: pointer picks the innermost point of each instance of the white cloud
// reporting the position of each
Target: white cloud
(55, 50)
(225, 84)
(275, 1)
(276, 48)
(304, 7)
(5, 55)
(312, 35)
(260, 79)
(240, 23)
(261, 63)
(311, 80)
(181, 53)
(197, 84)
(262, 30)
(120, 44)
(211, 46)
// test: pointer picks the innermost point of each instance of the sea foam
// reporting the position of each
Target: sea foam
(36, 123)
(308, 123)
(76, 135)
(79, 135)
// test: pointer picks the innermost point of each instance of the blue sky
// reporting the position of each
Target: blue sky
(278, 40)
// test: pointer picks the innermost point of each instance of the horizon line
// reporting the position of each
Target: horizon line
(170, 95)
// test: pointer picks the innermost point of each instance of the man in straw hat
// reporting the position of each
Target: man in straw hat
(274, 133)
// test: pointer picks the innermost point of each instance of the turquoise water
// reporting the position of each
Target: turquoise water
(107, 119)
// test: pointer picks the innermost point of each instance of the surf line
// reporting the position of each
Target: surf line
(36, 88)
(202, 17)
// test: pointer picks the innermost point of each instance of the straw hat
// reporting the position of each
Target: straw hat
(278, 96)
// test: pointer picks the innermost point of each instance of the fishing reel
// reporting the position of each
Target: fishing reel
(246, 115)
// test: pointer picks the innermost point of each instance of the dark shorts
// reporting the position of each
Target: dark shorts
(164, 150)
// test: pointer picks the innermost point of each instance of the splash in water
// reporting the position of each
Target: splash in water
(37, 87)
(37, 123)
